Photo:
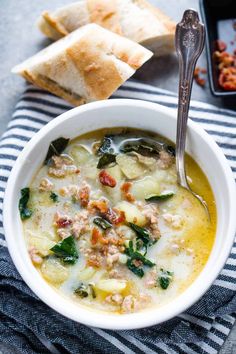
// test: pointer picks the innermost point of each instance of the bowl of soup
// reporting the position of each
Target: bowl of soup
(98, 226)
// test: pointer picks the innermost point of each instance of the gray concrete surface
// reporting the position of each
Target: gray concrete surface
(20, 38)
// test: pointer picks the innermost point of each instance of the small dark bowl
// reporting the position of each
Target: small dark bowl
(218, 16)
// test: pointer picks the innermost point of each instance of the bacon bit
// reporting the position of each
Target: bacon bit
(227, 69)
(121, 217)
(62, 220)
(199, 70)
(225, 60)
(196, 72)
(220, 45)
(203, 70)
(110, 215)
(227, 79)
(97, 237)
(130, 197)
(114, 216)
(100, 205)
(106, 179)
(200, 81)
(125, 187)
(84, 196)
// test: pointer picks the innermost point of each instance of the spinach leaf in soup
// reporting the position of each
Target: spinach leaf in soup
(103, 223)
(165, 278)
(142, 233)
(66, 250)
(141, 247)
(85, 290)
(146, 147)
(25, 212)
(143, 146)
(105, 160)
(170, 149)
(130, 249)
(54, 197)
(56, 147)
(133, 268)
(92, 291)
(106, 152)
(106, 146)
(139, 257)
(134, 259)
(159, 197)
(82, 291)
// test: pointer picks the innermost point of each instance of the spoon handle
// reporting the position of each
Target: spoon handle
(189, 43)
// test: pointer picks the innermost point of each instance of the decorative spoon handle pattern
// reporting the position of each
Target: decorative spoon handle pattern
(189, 42)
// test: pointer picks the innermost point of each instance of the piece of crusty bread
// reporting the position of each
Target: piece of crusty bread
(135, 19)
(89, 64)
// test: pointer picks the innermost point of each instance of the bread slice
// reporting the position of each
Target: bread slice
(89, 64)
(135, 19)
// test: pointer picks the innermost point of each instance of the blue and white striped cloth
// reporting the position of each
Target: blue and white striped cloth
(29, 326)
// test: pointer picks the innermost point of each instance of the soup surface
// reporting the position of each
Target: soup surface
(107, 225)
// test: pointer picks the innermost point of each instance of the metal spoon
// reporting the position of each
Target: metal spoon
(189, 43)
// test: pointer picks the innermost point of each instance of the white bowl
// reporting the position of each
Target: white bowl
(122, 113)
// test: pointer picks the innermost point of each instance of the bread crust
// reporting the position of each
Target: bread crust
(47, 84)
(101, 77)
(105, 14)
(89, 64)
(163, 18)
(54, 24)
(109, 14)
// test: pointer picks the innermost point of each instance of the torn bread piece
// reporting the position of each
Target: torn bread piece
(135, 19)
(87, 65)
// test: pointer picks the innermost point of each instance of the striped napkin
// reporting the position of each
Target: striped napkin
(29, 326)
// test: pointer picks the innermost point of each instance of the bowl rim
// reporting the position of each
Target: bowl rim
(107, 321)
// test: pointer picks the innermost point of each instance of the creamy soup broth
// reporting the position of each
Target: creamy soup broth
(122, 237)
